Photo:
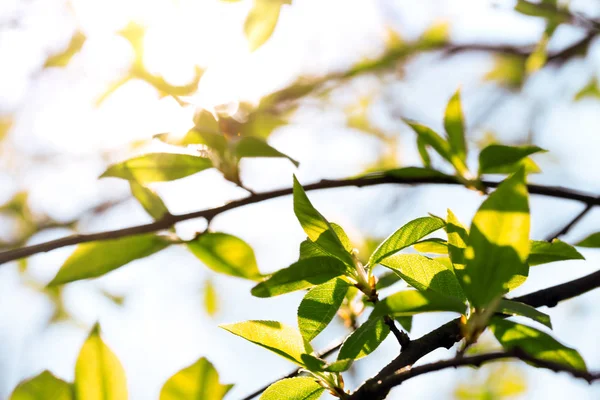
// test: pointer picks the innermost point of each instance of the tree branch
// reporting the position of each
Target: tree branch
(564, 230)
(170, 220)
(448, 334)
(478, 360)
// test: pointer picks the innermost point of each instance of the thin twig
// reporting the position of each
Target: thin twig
(169, 220)
(565, 229)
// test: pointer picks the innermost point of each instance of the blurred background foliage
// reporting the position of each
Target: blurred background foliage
(326, 83)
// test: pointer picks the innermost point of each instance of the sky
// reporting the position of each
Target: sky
(61, 141)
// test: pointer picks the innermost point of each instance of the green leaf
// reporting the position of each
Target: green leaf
(226, 254)
(541, 10)
(342, 236)
(508, 70)
(300, 275)
(500, 159)
(433, 245)
(62, 59)
(499, 243)
(537, 59)
(319, 306)
(457, 241)
(261, 21)
(535, 342)
(256, 147)
(198, 381)
(406, 236)
(387, 279)
(148, 198)
(455, 127)
(158, 167)
(364, 340)
(410, 302)
(514, 308)
(430, 138)
(406, 322)
(309, 249)
(592, 240)
(211, 299)
(275, 336)
(299, 388)
(592, 89)
(98, 373)
(424, 273)
(543, 252)
(338, 365)
(317, 227)
(423, 152)
(44, 386)
(94, 259)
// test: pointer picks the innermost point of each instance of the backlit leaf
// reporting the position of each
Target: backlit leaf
(592, 89)
(148, 198)
(98, 373)
(455, 127)
(298, 388)
(256, 147)
(275, 336)
(592, 240)
(411, 302)
(211, 299)
(44, 386)
(90, 260)
(198, 381)
(433, 245)
(319, 306)
(303, 274)
(261, 21)
(364, 340)
(500, 159)
(514, 308)
(158, 167)
(543, 252)
(226, 254)
(535, 342)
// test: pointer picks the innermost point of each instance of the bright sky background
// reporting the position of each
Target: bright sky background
(61, 142)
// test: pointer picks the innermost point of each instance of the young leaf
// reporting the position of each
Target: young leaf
(300, 275)
(298, 388)
(211, 299)
(94, 259)
(319, 306)
(44, 386)
(309, 249)
(226, 254)
(513, 308)
(406, 236)
(148, 198)
(592, 89)
(158, 167)
(198, 381)
(500, 159)
(543, 252)
(387, 279)
(457, 242)
(455, 128)
(499, 243)
(592, 240)
(342, 236)
(424, 273)
(364, 340)
(411, 302)
(261, 21)
(429, 137)
(423, 152)
(256, 147)
(275, 336)
(98, 373)
(535, 342)
(338, 365)
(433, 245)
(317, 227)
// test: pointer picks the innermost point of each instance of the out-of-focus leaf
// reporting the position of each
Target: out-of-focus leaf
(406, 236)
(498, 243)
(44, 386)
(537, 59)
(435, 35)
(275, 336)
(592, 240)
(261, 21)
(513, 308)
(423, 153)
(158, 167)
(387, 280)
(590, 90)
(500, 159)
(455, 127)
(535, 342)
(298, 388)
(256, 147)
(433, 245)
(62, 59)
(319, 306)
(508, 70)
(424, 273)
(98, 372)
(211, 299)
(148, 199)
(317, 227)
(364, 340)
(226, 254)
(300, 275)
(543, 252)
(431, 138)
(198, 381)
(261, 124)
(410, 302)
(94, 259)
(5, 124)
(543, 10)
